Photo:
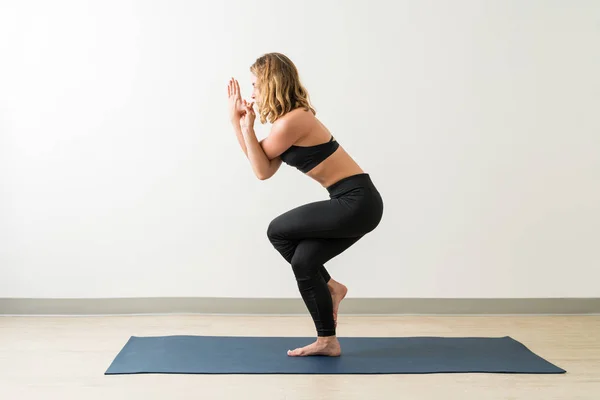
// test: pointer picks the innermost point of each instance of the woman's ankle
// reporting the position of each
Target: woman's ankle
(326, 339)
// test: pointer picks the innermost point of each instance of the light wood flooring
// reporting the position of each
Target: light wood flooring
(49, 357)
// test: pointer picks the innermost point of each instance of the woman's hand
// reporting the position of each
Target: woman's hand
(236, 106)
(248, 116)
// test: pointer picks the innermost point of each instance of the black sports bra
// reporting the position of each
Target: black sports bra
(305, 158)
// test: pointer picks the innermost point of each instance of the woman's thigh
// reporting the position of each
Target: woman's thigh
(324, 219)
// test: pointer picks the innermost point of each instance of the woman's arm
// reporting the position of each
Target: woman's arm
(263, 167)
(240, 136)
(264, 156)
(274, 163)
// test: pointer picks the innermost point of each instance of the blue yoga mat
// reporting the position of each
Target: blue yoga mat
(360, 355)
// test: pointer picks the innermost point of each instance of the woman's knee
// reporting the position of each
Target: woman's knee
(272, 230)
(276, 229)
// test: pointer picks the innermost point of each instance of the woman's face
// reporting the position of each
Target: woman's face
(255, 92)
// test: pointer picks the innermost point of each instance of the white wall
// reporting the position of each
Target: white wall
(478, 120)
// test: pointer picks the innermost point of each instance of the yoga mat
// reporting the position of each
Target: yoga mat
(185, 354)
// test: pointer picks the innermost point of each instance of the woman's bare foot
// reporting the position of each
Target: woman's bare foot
(338, 292)
(324, 346)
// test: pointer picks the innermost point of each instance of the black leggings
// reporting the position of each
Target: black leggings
(310, 235)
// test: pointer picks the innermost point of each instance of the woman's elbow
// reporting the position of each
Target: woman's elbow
(263, 177)
(269, 172)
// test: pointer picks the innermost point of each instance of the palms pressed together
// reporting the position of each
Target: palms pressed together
(239, 109)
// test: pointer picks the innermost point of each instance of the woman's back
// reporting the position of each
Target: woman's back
(315, 138)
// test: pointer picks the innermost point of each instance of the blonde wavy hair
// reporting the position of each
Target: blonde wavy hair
(279, 85)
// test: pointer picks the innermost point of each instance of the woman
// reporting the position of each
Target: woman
(310, 235)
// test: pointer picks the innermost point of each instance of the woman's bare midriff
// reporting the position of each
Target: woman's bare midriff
(337, 166)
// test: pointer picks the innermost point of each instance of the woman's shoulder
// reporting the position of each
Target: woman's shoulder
(298, 117)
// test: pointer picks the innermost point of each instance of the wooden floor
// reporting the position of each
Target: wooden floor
(65, 358)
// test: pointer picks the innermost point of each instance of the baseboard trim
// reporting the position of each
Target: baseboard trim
(287, 306)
